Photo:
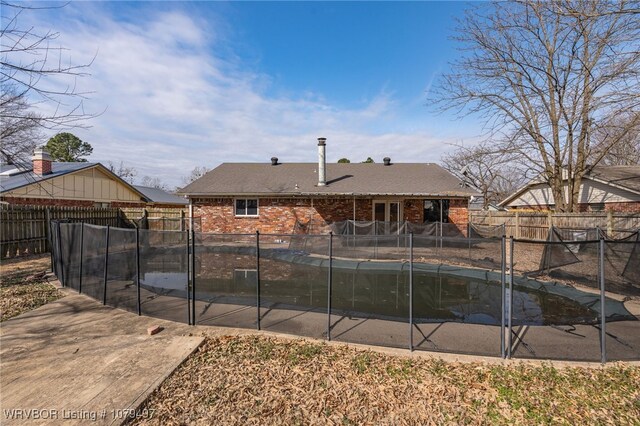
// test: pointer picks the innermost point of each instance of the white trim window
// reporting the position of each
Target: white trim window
(246, 207)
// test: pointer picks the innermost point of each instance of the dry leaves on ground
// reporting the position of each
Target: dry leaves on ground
(263, 380)
(24, 286)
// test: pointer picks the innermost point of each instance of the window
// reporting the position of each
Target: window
(436, 209)
(247, 207)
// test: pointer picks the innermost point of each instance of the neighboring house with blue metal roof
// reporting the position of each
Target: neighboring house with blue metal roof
(46, 182)
(161, 198)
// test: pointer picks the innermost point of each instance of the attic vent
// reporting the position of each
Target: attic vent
(387, 161)
(274, 161)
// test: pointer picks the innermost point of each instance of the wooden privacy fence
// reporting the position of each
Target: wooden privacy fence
(159, 219)
(153, 212)
(24, 230)
(535, 225)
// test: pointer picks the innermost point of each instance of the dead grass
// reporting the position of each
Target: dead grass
(24, 286)
(262, 380)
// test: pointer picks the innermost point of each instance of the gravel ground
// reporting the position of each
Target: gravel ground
(265, 380)
(24, 286)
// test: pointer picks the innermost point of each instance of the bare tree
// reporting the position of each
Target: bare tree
(624, 153)
(547, 77)
(485, 168)
(19, 129)
(153, 182)
(35, 73)
(126, 173)
(196, 173)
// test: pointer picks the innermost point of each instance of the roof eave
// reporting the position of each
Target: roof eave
(615, 185)
(342, 194)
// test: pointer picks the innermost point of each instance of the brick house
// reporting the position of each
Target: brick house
(273, 197)
(604, 188)
(81, 184)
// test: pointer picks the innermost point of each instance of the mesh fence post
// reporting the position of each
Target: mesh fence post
(58, 233)
(258, 277)
(138, 270)
(329, 283)
(106, 267)
(439, 241)
(603, 317)
(411, 291)
(375, 235)
(47, 219)
(81, 255)
(193, 276)
(469, 237)
(188, 261)
(510, 308)
(503, 279)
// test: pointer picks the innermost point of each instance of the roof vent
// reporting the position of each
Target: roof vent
(387, 161)
(274, 161)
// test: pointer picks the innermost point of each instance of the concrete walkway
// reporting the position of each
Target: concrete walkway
(74, 361)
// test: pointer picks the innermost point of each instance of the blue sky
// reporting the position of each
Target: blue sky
(185, 84)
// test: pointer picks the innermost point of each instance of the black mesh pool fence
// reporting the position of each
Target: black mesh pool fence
(94, 259)
(475, 294)
(226, 277)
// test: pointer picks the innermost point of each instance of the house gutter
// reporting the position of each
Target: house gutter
(332, 194)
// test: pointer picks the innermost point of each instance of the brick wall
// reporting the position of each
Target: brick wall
(459, 214)
(276, 215)
(629, 207)
(279, 215)
(125, 205)
(414, 210)
(47, 202)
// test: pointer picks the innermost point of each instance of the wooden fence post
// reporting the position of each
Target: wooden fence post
(517, 224)
(47, 228)
(610, 224)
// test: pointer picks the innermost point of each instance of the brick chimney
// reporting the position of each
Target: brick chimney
(41, 161)
(322, 162)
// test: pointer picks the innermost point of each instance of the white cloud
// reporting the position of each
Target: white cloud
(172, 104)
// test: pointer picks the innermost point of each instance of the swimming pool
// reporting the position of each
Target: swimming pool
(376, 289)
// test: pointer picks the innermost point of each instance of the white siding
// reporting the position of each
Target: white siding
(84, 185)
(590, 192)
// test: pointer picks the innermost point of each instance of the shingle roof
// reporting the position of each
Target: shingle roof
(625, 176)
(27, 177)
(160, 196)
(421, 179)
